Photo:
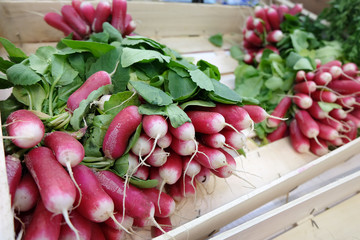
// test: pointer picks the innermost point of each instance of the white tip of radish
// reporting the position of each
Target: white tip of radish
(58, 202)
(70, 156)
(28, 134)
(103, 211)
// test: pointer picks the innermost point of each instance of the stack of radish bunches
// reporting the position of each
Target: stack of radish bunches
(82, 18)
(104, 136)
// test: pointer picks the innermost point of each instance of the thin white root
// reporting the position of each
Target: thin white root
(71, 226)
(119, 224)
(69, 168)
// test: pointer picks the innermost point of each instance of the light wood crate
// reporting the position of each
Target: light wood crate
(273, 170)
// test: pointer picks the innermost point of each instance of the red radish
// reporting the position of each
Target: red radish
(302, 100)
(174, 191)
(57, 21)
(157, 158)
(126, 221)
(111, 233)
(252, 37)
(345, 87)
(183, 148)
(273, 17)
(88, 12)
(227, 170)
(164, 204)
(184, 132)
(250, 23)
(300, 76)
(143, 145)
(356, 113)
(121, 128)
(257, 113)
(102, 13)
(44, 224)
(165, 223)
(25, 129)
(248, 58)
(346, 101)
(350, 70)
(350, 117)
(279, 112)
(282, 10)
(211, 158)
(330, 64)
(322, 78)
(352, 133)
(171, 171)
(335, 72)
(204, 175)
(234, 139)
(234, 115)
(278, 133)
(307, 124)
(142, 222)
(136, 203)
(165, 141)
(275, 36)
(26, 195)
(187, 186)
(191, 168)
(324, 96)
(74, 20)
(216, 140)
(310, 76)
(119, 14)
(316, 111)
(76, 5)
(261, 13)
(337, 142)
(207, 122)
(95, 81)
(13, 172)
(142, 172)
(249, 46)
(318, 147)
(258, 26)
(338, 113)
(96, 232)
(305, 87)
(327, 132)
(300, 143)
(56, 188)
(154, 175)
(333, 123)
(82, 224)
(297, 8)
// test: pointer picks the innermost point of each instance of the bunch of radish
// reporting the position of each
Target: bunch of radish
(263, 31)
(82, 18)
(324, 108)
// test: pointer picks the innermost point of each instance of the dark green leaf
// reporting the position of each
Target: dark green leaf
(61, 70)
(201, 79)
(113, 33)
(151, 94)
(224, 94)
(180, 88)
(176, 115)
(8, 106)
(131, 56)
(15, 54)
(32, 96)
(119, 101)
(5, 64)
(97, 49)
(4, 83)
(199, 103)
(20, 74)
(213, 70)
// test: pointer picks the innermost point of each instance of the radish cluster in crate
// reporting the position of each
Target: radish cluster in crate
(327, 113)
(56, 196)
(263, 31)
(81, 18)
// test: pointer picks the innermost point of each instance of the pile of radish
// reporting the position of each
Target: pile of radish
(262, 31)
(82, 18)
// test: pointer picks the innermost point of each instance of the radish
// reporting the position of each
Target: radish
(102, 13)
(73, 19)
(165, 141)
(164, 204)
(346, 101)
(211, 158)
(350, 117)
(302, 100)
(184, 132)
(96, 232)
(327, 132)
(174, 190)
(56, 188)
(305, 87)
(297, 8)
(300, 76)
(250, 23)
(165, 223)
(345, 87)
(187, 186)
(191, 168)
(142, 223)
(350, 70)
(154, 175)
(207, 122)
(322, 78)
(318, 147)
(258, 114)
(76, 5)
(279, 112)
(25, 129)
(352, 133)
(158, 157)
(252, 37)
(204, 175)
(44, 224)
(112, 234)
(216, 140)
(248, 58)
(57, 21)
(316, 111)
(126, 221)
(130, 25)
(275, 36)
(278, 133)
(310, 76)
(82, 224)
(171, 171)
(233, 139)
(95, 81)
(307, 124)
(338, 113)
(258, 26)
(88, 12)
(227, 170)
(121, 128)
(299, 141)
(26, 194)
(142, 172)
(183, 148)
(273, 17)
(118, 15)
(13, 172)
(143, 146)
(324, 96)
(333, 123)
(261, 13)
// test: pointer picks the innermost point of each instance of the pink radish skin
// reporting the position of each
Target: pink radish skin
(68, 151)
(142, 223)
(322, 78)
(345, 87)
(171, 171)
(102, 13)
(154, 174)
(73, 19)
(337, 142)
(174, 191)
(142, 172)
(310, 76)
(207, 122)
(324, 96)
(204, 175)
(164, 203)
(350, 117)
(119, 8)
(211, 158)
(76, 5)
(88, 12)
(302, 100)
(96, 232)
(279, 112)
(95, 81)
(121, 128)
(216, 140)
(307, 124)
(327, 133)
(82, 224)
(190, 167)
(165, 141)
(273, 17)
(338, 113)
(279, 133)
(126, 221)
(113, 234)
(282, 10)
(261, 13)
(258, 26)
(56, 188)
(316, 111)
(184, 132)
(13, 172)
(256, 113)
(300, 143)
(305, 87)
(130, 25)
(300, 76)
(165, 223)
(275, 36)
(187, 186)
(252, 37)
(350, 70)
(296, 9)
(25, 129)
(155, 126)
(346, 101)
(183, 148)
(143, 145)
(234, 115)
(26, 194)
(43, 225)
(248, 58)
(319, 147)
(57, 21)
(157, 158)
(236, 140)
(250, 23)
(352, 133)
(227, 170)
(332, 123)
(136, 203)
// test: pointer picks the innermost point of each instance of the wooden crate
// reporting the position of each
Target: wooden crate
(273, 170)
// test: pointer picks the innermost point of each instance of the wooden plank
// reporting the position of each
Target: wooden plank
(153, 19)
(301, 210)
(202, 226)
